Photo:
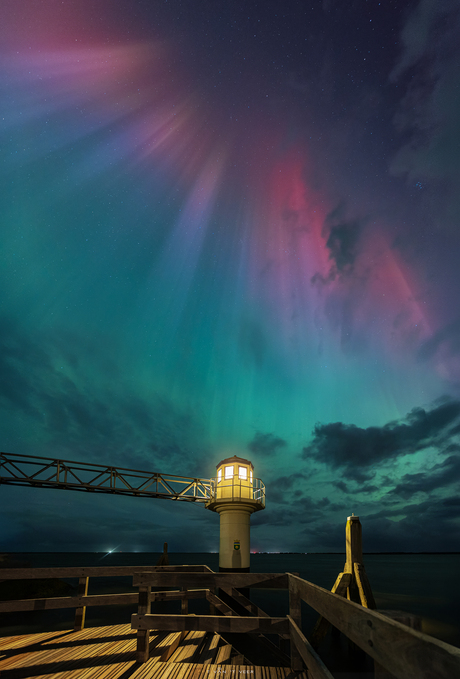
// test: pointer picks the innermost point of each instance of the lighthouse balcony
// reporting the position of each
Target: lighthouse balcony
(237, 490)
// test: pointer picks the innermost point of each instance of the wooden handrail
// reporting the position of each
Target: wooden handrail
(316, 668)
(121, 599)
(82, 600)
(222, 624)
(93, 571)
(401, 650)
(210, 580)
(53, 603)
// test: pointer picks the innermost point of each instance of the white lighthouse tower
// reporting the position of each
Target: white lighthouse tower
(236, 495)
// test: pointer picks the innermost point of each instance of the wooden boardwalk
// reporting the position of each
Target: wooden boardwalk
(110, 653)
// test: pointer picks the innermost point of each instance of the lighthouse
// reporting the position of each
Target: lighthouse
(236, 495)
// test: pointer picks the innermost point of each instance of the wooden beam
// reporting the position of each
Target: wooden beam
(95, 571)
(354, 543)
(402, 651)
(210, 623)
(223, 655)
(218, 604)
(315, 666)
(68, 602)
(143, 635)
(211, 580)
(409, 619)
(167, 653)
(80, 612)
(295, 614)
(178, 594)
(364, 588)
(245, 602)
(209, 650)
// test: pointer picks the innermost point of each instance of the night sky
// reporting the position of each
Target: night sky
(233, 228)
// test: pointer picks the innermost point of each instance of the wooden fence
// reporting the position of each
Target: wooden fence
(404, 652)
(82, 599)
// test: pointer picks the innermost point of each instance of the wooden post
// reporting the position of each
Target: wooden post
(295, 613)
(354, 545)
(164, 558)
(413, 621)
(364, 588)
(184, 602)
(143, 635)
(354, 550)
(80, 612)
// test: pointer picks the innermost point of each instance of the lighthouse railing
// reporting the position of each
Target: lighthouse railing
(235, 489)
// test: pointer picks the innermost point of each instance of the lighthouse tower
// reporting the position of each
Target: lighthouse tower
(236, 495)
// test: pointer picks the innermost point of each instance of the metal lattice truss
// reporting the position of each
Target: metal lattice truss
(42, 472)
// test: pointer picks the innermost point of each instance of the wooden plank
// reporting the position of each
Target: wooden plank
(178, 638)
(201, 568)
(179, 594)
(209, 650)
(74, 572)
(20, 640)
(223, 654)
(245, 602)
(189, 647)
(315, 666)
(237, 659)
(364, 588)
(212, 580)
(295, 613)
(68, 602)
(210, 623)
(409, 619)
(142, 647)
(402, 651)
(80, 612)
(218, 604)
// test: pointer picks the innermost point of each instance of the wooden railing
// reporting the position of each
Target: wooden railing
(82, 599)
(402, 651)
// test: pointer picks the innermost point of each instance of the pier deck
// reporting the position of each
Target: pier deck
(110, 653)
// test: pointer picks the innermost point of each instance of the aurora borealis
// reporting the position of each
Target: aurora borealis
(233, 228)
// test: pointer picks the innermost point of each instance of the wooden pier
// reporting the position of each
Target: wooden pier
(110, 653)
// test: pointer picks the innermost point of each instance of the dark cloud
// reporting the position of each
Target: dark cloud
(429, 526)
(356, 450)
(342, 237)
(280, 489)
(304, 510)
(363, 487)
(437, 477)
(342, 242)
(266, 444)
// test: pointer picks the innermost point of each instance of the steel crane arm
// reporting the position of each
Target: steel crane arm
(43, 472)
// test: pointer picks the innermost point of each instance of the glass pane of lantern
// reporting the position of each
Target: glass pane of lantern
(229, 472)
(219, 475)
(242, 473)
(250, 476)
